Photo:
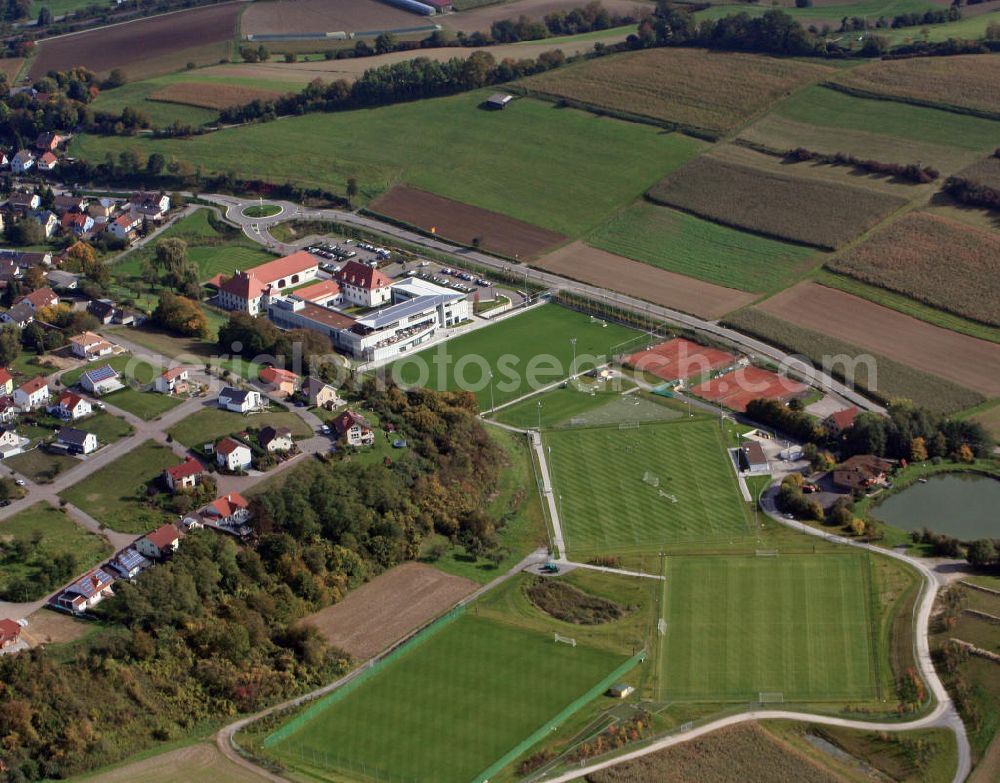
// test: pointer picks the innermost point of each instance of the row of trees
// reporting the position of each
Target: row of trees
(912, 172)
(259, 339)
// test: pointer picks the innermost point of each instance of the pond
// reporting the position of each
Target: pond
(963, 505)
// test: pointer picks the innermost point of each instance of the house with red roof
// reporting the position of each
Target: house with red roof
(363, 286)
(90, 345)
(231, 509)
(78, 223)
(172, 381)
(71, 406)
(10, 634)
(354, 429)
(324, 293)
(161, 543)
(279, 381)
(86, 592)
(184, 476)
(32, 394)
(47, 161)
(245, 290)
(6, 382)
(837, 422)
(124, 226)
(233, 455)
(36, 300)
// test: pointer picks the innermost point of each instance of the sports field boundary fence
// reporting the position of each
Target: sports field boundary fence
(404, 647)
(524, 745)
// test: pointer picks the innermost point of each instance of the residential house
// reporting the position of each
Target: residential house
(233, 455)
(90, 345)
(9, 271)
(101, 380)
(153, 206)
(11, 443)
(172, 381)
(10, 633)
(86, 592)
(47, 161)
(71, 406)
(240, 400)
(354, 429)
(159, 544)
(319, 394)
(102, 309)
(276, 439)
(231, 509)
(20, 315)
(27, 258)
(102, 209)
(48, 141)
(6, 382)
(22, 201)
(77, 223)
(65, 281)
(128, 563)
(837, 422)
(48, 220)
(77, 441)
(861, 472)
(32, 394)
(43, 297)
(363, 286)
(8, 410)
(279, 381)
(184, 476)
(22, 161)
(69, 203)
(125, 226)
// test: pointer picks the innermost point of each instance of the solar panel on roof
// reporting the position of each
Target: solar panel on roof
(101, 374)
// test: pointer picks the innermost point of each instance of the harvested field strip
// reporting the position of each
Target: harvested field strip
(383, 611)
(938, 261)
(597, 267)
(746, 752)
(688, 245)
(465, 224)
(210, 96)
(907, 306)
(964, 82)
(129, 45)
(972, 363)
(835, 109)
(322, 16)
(199, 763)
(883, 378)
(779, 134)
(765, 202)
(691, 88)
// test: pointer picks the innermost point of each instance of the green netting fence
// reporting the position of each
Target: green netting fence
(540, 733)
(397, 652)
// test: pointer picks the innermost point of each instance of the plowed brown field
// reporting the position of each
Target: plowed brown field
(967, 361)
(389, 607)
(211, 96)
(464, 223)
(326, 16)
(598, 267)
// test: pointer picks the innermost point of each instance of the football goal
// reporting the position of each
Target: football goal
(771, 697)
(767, 553)
(565, 640)
(661, 627)
(629, 425)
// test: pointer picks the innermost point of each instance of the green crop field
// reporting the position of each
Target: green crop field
(114, 495)
(831, 108)
(524, 352)
(545, 172)
(606, 505)
(798, 625)
(688, 245)
(451, 706)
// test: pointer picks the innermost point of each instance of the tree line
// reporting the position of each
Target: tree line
(912, 172)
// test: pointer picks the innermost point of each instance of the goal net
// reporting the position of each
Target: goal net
(661, 627)
(565, 640)
(767, 553)
(629, 425)
(771, 697)
(651, 478)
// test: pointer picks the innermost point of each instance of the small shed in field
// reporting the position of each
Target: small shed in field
(498, 100)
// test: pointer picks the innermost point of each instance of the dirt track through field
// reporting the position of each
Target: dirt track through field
(200, 763)
(967, 361)
(464, 223)
(125, 45)
(598, 267)
(388, 608)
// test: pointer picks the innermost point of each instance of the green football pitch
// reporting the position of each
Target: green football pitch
(609, 505)
(451, 707)
(524, 352)
(795, 625)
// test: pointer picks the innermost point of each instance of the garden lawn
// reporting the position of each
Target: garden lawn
(106, 427)
(146, 405)
(608, 508)
(213, 423)
(115, 495)
(40, 466)
(59, 535)
(545, 172)
(688, 245)
(524, 352)
(193, 351)
(738, 626)
(451, 706)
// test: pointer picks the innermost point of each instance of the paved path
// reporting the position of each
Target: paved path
(258, 229)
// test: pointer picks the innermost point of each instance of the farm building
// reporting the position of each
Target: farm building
(498, 100)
